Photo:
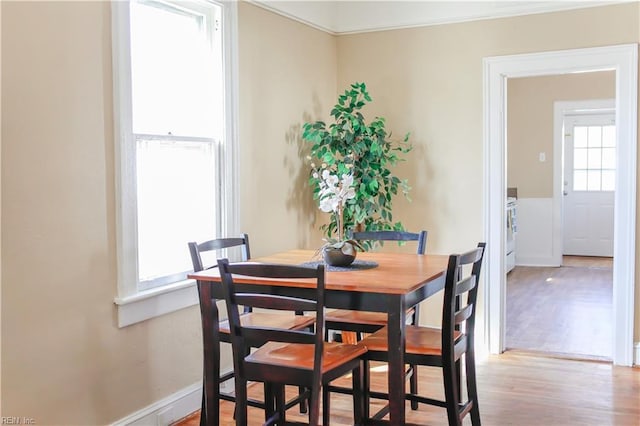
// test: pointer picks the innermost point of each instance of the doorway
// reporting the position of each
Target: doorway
(555, 306)
(622, 59)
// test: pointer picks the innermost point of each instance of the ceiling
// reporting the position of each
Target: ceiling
(353, 16)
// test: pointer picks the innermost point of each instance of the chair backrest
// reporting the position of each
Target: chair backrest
(217, 244)
(460, 296)
(245, 337)
(420, 237)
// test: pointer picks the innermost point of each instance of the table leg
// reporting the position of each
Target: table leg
(396, 324)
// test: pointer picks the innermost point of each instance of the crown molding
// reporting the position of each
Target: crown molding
(353, 17)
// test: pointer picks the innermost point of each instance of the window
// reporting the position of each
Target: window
(174, 113)
(594, 158)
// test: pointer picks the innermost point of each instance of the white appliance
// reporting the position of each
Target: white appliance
(512, 230)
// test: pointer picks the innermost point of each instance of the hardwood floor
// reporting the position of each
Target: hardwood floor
(565, 311)
(515, 389)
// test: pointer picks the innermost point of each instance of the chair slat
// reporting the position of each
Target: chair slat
(466, 284)
(269, 301)
(463, 314)
(273, 270)
(258, 336)
(221, 243)
(387, 235)
(472, 256)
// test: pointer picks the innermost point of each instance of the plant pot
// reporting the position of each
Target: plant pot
(336, 257)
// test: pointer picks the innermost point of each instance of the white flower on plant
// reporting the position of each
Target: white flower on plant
(334, 191)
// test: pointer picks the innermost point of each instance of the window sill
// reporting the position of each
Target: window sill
(149, 304)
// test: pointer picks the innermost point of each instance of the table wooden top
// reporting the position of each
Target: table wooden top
(396, 273)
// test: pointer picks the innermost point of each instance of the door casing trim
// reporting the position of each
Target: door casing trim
(622, 59)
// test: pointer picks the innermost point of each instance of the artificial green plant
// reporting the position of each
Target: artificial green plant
(351, 146)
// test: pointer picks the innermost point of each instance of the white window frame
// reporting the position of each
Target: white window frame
(132, 304)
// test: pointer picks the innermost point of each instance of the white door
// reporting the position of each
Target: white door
(589, 184)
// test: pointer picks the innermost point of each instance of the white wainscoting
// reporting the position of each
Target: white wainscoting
(534, 240)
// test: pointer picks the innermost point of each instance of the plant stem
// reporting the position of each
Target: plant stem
(339, 221)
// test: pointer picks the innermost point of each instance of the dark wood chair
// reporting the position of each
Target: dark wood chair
(441, 347)
(210, 410)
(354, 323)
(286, 357)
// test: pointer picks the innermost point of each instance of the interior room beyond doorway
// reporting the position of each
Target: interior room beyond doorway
(562, 311)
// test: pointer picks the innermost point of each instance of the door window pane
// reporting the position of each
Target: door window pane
(595, 136)
(609, 136)
(580, 158)
(593, 180)
(594, 158)
(580, 180)
(608, 180)
(580, 137)
(608, 158)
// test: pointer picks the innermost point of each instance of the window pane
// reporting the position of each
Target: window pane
(580, 180)
(593, 180)
(580, 158)
(608, 180)
(580, 136)
(176, 203)
(609, 136)
(595, 136)
(172, 68)
(594, 158)
(608, 158)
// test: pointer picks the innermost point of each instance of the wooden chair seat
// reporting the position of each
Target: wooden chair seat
(265, 319)
(360, 317)
(292, 355)
(418, 340)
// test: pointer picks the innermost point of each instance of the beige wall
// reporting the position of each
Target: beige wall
(64, 361)
(530, 103)
(287, 77)
(429, 81)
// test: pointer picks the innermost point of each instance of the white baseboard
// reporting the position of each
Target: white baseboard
(167, 410)
(636, 353)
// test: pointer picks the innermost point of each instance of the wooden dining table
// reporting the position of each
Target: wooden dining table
(378, 282)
